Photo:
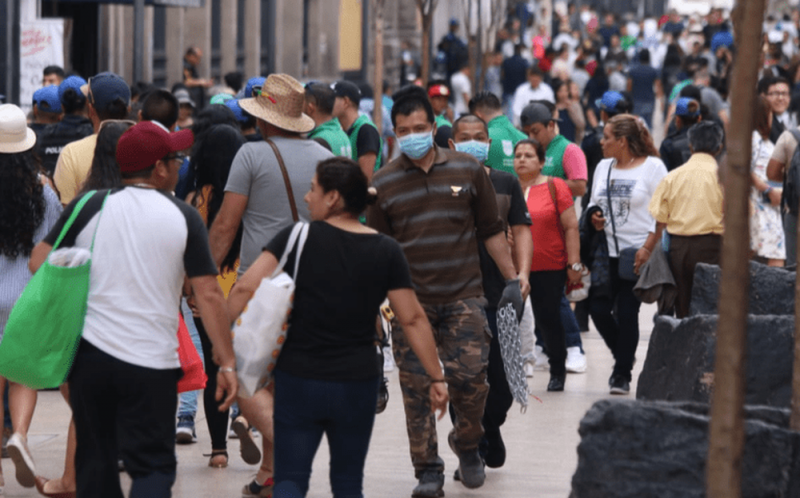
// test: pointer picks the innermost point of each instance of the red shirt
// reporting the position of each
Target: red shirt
(549, 248)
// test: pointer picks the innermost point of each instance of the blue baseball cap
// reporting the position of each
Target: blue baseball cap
(609, 101)
(46, 99)
(255, 81)
(234, 106)
(106, 88)
(682, 108)
(721, 39)
(74, 82)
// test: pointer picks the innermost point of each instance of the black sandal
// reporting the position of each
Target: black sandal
(214, 454)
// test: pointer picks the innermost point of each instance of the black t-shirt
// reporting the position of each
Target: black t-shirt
(513, 211)
(53, 138)
(368, 140)
(343, 279)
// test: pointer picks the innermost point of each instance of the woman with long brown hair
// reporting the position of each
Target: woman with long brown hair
(624, 182)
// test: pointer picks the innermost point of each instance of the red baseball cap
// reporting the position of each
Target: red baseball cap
(438, 91)
(147, 142)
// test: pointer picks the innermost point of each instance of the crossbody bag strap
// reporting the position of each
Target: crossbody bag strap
(551, 186)
(289, 192)
(610, 207)
(301, 243)
(75, 212)
(289, 245)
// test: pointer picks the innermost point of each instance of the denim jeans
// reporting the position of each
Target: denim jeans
(572, 331)
(187, 402)
(305, 409)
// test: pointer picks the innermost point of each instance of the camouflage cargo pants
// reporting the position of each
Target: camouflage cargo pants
(462, 338)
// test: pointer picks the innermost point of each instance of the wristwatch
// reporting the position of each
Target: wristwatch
(577, 267)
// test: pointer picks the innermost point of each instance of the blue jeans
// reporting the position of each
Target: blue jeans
(305, 409)
(187, 402)
(572, 330)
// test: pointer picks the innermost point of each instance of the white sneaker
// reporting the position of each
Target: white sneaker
(576, 361)
(388, 360)
(21, 456)
(542, 361)
(528, 369)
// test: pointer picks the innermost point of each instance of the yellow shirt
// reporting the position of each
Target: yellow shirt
(689, 199)
(73, 167)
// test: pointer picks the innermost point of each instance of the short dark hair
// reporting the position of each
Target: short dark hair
(409, 99)
(485, 101)
(346, 177)
(142, 173)
(322, 96)
(535, 71)
(706, 136)
(118, 109)
(644, 56)
(160, 106)
(234, 80)
(533, 143)
(466, 119)
(57, 70)
(191, 51)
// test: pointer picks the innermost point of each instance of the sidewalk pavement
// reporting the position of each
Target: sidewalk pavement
(541, 443)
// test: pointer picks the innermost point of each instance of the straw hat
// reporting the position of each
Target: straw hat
(281, 104)
(15, 136)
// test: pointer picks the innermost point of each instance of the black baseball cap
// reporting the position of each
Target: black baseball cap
(536, 113)
(347, 89)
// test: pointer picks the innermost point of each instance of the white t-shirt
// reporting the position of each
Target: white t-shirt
(460, 85)
(631, 190)
(525, 93)
(146, 242)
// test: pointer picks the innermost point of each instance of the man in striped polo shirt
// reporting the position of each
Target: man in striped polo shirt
(438, 203)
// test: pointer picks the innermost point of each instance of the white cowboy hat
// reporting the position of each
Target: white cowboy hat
(15, 136)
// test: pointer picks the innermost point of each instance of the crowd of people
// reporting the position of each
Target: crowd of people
(460, 202)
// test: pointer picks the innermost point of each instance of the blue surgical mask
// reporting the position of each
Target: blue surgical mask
(478, 150)
(416, 145)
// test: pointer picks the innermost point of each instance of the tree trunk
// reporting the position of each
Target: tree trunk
(425, 70)
(726, 437)
(377, 113)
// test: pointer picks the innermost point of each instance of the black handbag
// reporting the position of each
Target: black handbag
(627, 256)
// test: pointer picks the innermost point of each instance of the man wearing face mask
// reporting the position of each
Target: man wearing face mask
(504, 136)
(438, 204)
(471, 135)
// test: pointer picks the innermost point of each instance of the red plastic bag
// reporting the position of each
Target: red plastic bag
(194, 376)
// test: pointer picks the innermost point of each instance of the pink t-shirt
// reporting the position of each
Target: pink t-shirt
(574, 163)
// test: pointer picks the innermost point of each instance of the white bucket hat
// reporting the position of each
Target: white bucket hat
(15, 136)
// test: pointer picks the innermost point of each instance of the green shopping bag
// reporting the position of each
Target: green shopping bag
(45, 325)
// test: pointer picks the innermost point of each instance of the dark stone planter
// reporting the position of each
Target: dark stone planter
(680, 360)
(771, 290)
(632, 449)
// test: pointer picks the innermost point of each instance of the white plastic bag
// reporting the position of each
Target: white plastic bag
(580, 291)
(260, 330)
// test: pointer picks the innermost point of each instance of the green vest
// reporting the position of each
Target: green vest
(332, 132)
(442, 121)
(361, 121)
(504, 137)
(554, 157)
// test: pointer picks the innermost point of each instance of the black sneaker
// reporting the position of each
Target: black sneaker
(619, 385)
(495, 456)
(556, 383)
(430, 486)
(383, 396)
